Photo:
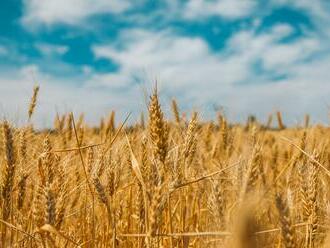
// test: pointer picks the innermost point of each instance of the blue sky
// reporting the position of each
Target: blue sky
(245, 56)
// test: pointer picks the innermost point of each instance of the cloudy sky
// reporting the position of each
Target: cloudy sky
(245, 56)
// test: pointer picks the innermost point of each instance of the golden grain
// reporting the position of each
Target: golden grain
(167, 184)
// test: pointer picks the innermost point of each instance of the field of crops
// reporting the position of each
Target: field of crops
(164, 182)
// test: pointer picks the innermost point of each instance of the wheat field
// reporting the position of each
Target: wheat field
(164, 182)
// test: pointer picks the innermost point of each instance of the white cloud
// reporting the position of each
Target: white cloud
(68, 12)
(231, 9)
(155, 49)
(187, 68)
(87, 70)
(51, 50)
(266, 48)
(284, 55)
(180, 62)
(170, 56)
(73, 12)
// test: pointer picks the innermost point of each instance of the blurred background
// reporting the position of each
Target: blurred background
(239, 56)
